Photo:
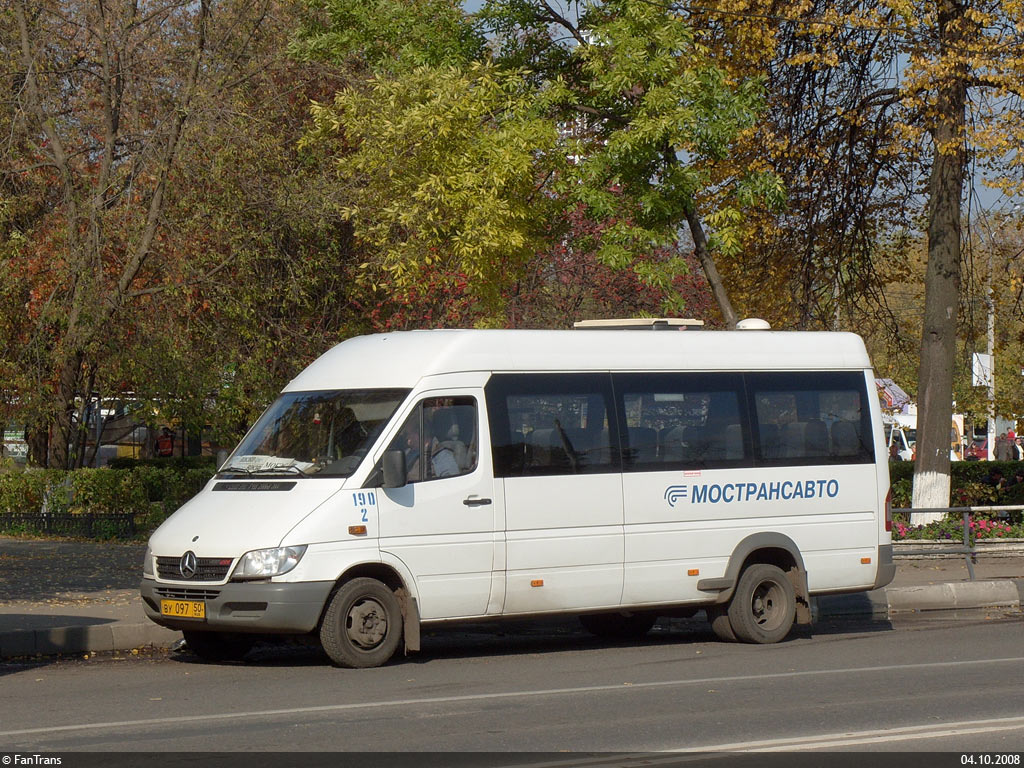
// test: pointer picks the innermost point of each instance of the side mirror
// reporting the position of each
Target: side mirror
(394, 469)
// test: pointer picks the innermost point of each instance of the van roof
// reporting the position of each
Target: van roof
(402, 359)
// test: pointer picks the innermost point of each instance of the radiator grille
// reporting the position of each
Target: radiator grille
(207, 568)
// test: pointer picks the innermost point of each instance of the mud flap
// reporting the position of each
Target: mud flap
(798, 579)
(410, 620)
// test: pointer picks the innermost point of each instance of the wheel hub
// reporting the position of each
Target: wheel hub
(763, 603)
(367, 624)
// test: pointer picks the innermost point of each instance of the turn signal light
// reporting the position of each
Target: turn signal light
(357, 530)
(865, 561)
(537, 583)
(693, 572)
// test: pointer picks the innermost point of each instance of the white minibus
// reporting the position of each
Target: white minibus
(417, 478)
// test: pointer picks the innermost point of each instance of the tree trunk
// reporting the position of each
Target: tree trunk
(38, 438)
(942, 285)
(707, 262)
(67, 388)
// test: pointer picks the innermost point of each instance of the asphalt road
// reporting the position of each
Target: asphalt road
(920, 685)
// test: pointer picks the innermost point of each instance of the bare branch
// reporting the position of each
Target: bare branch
(156, 203)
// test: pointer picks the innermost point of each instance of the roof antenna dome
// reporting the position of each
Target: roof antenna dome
(753, 324)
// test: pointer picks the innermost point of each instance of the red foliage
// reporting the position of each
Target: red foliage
(561, 284)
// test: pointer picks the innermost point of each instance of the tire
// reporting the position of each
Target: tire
(718, 617)
(763, 607)
(618, 626)
(362, 625)
(217, 646)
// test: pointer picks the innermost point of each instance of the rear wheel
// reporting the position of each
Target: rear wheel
(763, 608)
(363, 624)
(217, 646)
(718, 616)
(619, 626)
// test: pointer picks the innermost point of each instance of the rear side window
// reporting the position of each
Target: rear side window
(811, 418)
(683, 421)
(551, 424)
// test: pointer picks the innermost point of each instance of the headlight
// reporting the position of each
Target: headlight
(264, 563)
(148, 571)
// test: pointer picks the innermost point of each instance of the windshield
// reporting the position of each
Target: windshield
(325, 434)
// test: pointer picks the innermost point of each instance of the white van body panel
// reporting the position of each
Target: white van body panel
(678, 525)
(220, 523)
(404, 359)
(449, 546)
(565, 531)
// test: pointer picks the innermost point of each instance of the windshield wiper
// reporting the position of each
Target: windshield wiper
(284, 470)
(242, 470)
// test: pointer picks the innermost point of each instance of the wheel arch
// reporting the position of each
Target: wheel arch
(393, 580)
(771, 548)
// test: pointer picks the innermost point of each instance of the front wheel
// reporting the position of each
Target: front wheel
(363, 624)
(763, 608)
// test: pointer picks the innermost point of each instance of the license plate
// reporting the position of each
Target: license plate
(183, 609)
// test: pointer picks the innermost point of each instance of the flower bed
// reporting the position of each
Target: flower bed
(981, 527)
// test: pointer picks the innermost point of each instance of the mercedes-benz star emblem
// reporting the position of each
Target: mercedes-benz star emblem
(188, 565)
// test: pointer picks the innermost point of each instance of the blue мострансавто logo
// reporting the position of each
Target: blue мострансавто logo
(674, 493)
(713, 493)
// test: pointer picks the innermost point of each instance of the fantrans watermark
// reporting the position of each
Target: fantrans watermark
(19, 759)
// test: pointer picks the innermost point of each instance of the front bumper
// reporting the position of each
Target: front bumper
(262, 607)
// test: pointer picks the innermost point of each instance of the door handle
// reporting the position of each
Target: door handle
(475, 502)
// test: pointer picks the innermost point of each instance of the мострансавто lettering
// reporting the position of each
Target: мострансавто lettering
(728, 493)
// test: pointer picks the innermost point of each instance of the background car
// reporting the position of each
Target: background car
(977, 450)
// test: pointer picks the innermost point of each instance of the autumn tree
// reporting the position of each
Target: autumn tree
(161, 237)
(992, 308)
(617, 108)
(568, 281)
(100, 101)
(441, 180)
(830, 132)
(960, 92)
(261, 280)
(931, 89)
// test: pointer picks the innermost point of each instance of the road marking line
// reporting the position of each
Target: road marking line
(630, 686)
(793, 744)
(853, 738)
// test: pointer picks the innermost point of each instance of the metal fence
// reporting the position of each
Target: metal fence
(965, 548)
(114, 525)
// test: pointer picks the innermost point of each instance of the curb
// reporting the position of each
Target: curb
(950, 596)
(116, 636)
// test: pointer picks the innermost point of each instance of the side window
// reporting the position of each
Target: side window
(682, 420)
(811, 418)
(439, 439)
(551, 424)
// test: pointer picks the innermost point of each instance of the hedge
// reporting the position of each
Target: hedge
(969, 483)
(97, 503)
(179, 463)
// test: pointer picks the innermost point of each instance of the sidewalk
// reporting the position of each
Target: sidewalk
(73, 597)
